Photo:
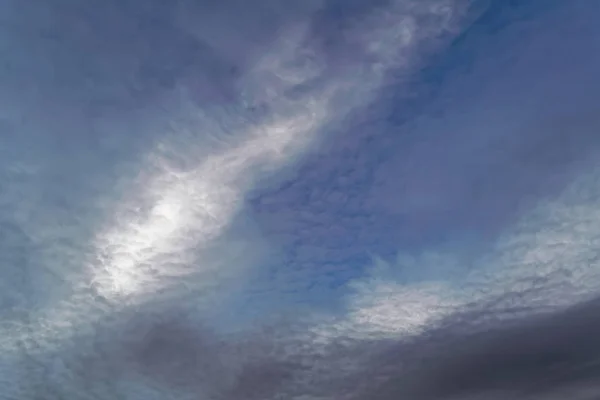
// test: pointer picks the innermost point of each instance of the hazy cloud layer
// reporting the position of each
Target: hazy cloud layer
(321, 200)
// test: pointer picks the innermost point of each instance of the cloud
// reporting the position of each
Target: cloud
(151, 253)
(157, 220)
(467, 355)
(175, 191)
(535, 358)
(545, 262)
(445, 166)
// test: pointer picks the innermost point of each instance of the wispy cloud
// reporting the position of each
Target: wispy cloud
(545, 262)
(154, 234)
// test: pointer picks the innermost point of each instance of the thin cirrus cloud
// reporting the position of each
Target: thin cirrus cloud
(546, 261)
(174, 210)
(119, 258)
(489, 138)
(148, 230)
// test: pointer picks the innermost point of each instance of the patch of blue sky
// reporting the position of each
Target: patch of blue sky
(435, 175)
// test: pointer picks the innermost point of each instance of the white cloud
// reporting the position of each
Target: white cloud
(167, 212)
(549, 260)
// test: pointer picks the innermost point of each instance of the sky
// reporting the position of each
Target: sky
(326, 199)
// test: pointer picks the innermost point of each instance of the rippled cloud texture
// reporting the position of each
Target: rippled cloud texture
(394, 199)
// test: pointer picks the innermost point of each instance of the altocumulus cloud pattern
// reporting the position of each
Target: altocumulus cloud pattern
(319, 199)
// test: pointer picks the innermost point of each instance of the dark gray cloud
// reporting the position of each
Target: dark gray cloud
(536, 357)
(469, 355)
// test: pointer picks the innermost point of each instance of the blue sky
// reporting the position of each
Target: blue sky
(292, 189)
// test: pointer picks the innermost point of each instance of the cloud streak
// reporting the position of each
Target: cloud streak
(153, 233)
